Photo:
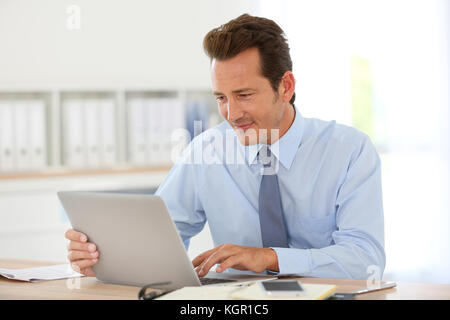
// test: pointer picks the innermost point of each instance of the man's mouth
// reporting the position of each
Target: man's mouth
(244, 127)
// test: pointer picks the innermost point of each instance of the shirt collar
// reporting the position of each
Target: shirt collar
(285, 148)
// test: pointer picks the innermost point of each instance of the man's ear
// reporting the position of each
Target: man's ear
(287, 86)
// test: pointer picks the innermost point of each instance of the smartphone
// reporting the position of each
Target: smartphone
(282, 287)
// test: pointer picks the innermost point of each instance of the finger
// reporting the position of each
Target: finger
(75, 255)
(82, 264)
(87, 246)
(201, 257)
(86, 271)
(89, 272)
(75, 235)
(221, 254)
(229, 263)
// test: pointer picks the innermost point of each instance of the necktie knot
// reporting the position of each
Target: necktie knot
(268, 160)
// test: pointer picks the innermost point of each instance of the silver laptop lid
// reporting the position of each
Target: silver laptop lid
(137, 240)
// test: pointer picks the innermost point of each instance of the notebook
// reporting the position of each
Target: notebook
(246, 292)
(312, 292)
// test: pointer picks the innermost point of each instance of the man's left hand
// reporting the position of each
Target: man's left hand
(237, 257)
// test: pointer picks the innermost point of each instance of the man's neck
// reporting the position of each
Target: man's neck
(285, 124)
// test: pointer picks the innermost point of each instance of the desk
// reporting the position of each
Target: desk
(91, 289)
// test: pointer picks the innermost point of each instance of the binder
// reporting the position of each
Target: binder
(137, 131)
(38, 141)
(178, 123)
(173, 119)
(154, 125)
(167, 107)
(21, 150)
(92, 141)
(73, 133)
(179, 115)
(6, 136)
(197, 110)
(108, 149)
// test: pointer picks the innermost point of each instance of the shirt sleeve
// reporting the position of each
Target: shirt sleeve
(358, 247)
(180, 191)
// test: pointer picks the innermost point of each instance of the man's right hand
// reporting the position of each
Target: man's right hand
(82, 254)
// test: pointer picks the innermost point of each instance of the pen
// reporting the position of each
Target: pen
(386, 285)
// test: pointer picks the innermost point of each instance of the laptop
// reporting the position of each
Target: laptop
(137, 240)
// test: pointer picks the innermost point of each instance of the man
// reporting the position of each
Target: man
(305, 200)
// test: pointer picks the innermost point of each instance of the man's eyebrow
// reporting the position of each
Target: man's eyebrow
(217, 93)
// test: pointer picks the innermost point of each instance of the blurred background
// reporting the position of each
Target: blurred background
(90, 92)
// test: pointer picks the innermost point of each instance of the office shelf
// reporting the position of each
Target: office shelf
(54, 97)
(51, 173)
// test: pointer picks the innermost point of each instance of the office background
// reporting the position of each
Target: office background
(109, 66)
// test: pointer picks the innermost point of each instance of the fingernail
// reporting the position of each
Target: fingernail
(94, 260)
(75, 267)
(83, 238)
(94, 254)
(91, 247)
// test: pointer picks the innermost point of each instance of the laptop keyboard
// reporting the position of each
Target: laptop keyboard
(206, 281)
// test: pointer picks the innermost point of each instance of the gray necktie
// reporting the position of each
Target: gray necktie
(273, 230)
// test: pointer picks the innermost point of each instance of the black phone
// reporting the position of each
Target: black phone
(282, 287)
(342, 296)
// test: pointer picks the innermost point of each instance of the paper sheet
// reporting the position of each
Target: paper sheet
(60, 271)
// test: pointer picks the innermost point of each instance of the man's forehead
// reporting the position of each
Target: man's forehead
(238, 71)
(245, 62)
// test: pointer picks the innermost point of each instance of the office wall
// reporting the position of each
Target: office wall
(129, 44)
(119, 42)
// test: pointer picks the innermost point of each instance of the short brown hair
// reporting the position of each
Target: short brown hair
(247, 32)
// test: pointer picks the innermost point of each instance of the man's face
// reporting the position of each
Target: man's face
(245, 98)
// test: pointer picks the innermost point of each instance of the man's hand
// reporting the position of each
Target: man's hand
(237, 257)
(82, 254)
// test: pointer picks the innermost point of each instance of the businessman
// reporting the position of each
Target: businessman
(294, 196)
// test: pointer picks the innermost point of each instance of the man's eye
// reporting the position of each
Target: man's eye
(245, 95)
(220, 98)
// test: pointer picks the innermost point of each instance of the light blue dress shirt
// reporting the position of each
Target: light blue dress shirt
(330, 183)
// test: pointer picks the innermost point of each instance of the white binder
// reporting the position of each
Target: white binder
(178, 116)
(154, 130)
(108, 132)
(6, 136)
(91, 118)
(173, 118)
(21, 150)
(137, 131)
(180, 135)
(73, 133)
(166, 111)
(38, 144)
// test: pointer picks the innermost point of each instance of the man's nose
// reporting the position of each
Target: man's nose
(234, 112)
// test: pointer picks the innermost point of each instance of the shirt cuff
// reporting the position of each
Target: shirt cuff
(293, 261)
